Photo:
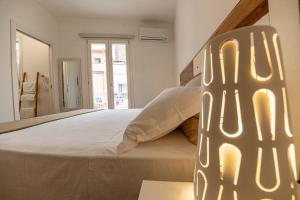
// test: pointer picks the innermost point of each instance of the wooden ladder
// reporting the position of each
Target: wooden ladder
(22, 89)
(36, 92)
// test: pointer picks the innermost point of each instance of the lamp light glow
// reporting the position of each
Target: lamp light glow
(211, 100)
(220, 192)
(232, 47)
(206, 164)
(292, 160)
(258, 171)
(253, 58)
(279, 62)
(265, 112)
(230, 162)
(245, 123)
(238, 113)
(267, 51)
(205, 82)
(199, 172)
(286, 115)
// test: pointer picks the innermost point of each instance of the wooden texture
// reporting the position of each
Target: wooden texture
(245, 13)
(187, 74)
(256, 15)
(22, 89)
(36, 93)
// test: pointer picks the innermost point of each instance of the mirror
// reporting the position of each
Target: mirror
(70, 84)
(32, 71)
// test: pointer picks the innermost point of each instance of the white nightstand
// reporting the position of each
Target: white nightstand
(162, 190)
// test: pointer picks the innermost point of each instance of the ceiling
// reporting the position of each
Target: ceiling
(143, 10)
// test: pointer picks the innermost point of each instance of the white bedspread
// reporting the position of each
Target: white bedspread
(96, 133)
(75, 158)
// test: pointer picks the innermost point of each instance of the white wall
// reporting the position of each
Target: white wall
(35, 20)
(195, 22)
(34, 56)
(152, 63)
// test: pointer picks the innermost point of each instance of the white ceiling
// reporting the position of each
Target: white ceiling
(144, 10)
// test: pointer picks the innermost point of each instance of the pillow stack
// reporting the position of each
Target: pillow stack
(161, 116)
(190, 128)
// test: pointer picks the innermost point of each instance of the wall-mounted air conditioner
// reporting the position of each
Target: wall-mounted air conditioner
(154, 34)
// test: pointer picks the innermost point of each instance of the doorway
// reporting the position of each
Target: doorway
(109, 75)
(33, 75)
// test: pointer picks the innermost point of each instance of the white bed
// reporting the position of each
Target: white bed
(74, 158)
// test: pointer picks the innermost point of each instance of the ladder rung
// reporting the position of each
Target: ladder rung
(28, 97)
(29, 92)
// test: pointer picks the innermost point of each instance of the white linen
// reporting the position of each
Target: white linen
(27, 97)
(29, 87)
(74, 159)
(162, 115)
(96, 133)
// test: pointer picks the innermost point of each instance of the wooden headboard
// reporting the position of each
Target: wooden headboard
(245, 13)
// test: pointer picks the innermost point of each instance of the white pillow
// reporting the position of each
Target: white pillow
(161, 116)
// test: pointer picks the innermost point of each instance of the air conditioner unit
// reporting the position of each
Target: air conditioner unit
(154, 34)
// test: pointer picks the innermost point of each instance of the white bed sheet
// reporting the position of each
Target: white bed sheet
(75, 158)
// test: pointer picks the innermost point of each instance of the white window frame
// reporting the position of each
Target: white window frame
(109, 68)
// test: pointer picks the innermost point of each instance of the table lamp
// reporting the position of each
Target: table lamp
(245, 145)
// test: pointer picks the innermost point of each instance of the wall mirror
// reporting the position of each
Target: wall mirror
(70, 97)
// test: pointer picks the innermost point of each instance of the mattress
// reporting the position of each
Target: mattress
(74, 158)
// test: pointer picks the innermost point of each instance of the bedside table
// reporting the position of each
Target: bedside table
(163, 190)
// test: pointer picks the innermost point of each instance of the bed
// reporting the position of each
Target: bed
(68, 159)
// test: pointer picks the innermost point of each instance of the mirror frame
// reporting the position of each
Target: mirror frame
(60, 83)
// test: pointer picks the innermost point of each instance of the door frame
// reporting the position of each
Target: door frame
(90, 71)
(60, 81)
(109, 69)
(14, 27)
(129, 69)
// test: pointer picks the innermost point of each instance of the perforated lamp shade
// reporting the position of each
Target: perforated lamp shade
(245, 145)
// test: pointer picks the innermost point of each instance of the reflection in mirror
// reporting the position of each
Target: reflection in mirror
(70, 84)
(33, 72)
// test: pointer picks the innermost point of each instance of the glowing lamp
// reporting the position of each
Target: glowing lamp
(245, 147)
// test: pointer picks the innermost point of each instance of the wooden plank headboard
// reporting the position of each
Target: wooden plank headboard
(245, 13)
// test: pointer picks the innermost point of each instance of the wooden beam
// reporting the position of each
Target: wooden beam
(245, 13)
(256, 15)
(187, 74)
